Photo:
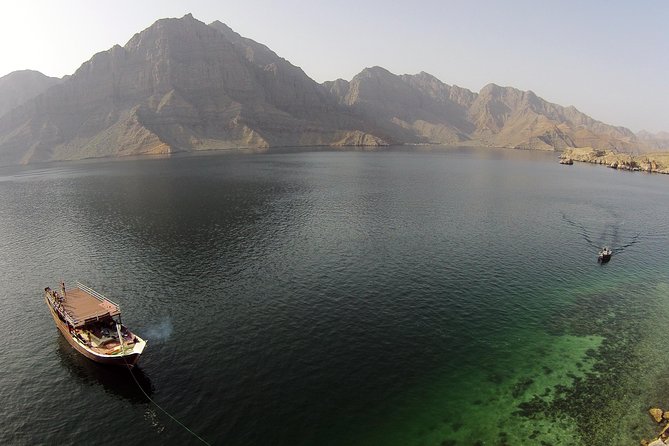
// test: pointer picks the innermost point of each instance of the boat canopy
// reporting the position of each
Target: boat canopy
(84, 306)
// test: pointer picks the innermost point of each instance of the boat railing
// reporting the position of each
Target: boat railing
(59, 308)
(97, 295)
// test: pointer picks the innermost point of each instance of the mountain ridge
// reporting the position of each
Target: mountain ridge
(183, 85)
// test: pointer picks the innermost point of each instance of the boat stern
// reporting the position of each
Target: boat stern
(132, 357)
(138, 348)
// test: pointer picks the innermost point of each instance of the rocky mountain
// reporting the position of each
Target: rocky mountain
(178, 85)
(508, 117)
(20, 86)
(183, 85)
(421, 109)
(407, 109)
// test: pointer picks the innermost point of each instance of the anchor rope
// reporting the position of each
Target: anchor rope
(159, 407)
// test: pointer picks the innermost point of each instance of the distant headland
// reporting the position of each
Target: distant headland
(647, 162)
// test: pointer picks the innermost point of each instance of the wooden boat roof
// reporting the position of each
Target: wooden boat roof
(84, 307)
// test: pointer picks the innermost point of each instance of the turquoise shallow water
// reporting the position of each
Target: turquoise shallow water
(434, 298)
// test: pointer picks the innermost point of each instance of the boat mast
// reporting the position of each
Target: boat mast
(120, 338)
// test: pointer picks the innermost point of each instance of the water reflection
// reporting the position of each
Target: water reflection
(114, 380)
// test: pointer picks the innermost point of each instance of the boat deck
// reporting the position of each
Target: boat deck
(83, 307)
(103, 338)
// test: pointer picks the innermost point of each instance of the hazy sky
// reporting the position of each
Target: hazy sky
(610, 59)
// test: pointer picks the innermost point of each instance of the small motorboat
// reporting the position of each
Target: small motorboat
(604, 255)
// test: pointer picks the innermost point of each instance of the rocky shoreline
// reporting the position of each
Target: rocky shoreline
(648, 162)
(659, 416)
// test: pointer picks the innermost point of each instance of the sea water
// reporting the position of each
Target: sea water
(445, 297)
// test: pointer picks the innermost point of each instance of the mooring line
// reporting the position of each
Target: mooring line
(159, 407)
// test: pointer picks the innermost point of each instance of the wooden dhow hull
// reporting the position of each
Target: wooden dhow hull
(127, 359)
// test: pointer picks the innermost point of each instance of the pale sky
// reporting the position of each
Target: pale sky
(610, 59)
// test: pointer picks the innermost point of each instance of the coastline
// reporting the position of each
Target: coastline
(657, 162)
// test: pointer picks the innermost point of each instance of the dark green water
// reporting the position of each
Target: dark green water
(350, 298)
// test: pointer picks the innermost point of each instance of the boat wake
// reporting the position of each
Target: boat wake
(609, 236)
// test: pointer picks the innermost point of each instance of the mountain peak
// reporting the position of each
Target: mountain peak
(221, 26)
(20, 86)
(23, 72)
(492, 89)
(228, 32)
(376, 71)
(426, 75)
